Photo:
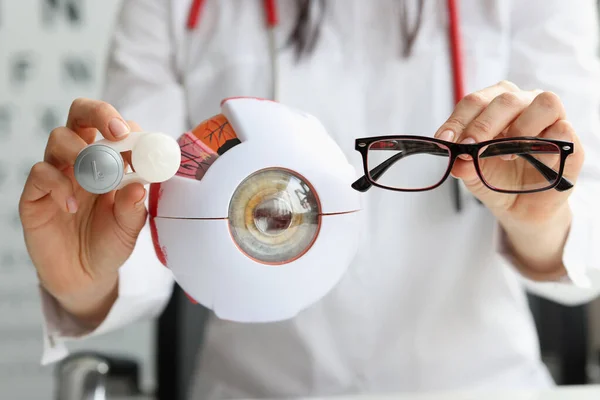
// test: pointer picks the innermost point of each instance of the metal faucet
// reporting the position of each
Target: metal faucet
(82, 377)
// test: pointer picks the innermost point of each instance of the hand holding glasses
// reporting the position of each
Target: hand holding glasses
(507, 165)
(509, 147)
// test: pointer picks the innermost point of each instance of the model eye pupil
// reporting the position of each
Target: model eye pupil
(273, 216)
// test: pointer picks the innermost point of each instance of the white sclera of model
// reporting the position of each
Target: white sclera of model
(209, 257)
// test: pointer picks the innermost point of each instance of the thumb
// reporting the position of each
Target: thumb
(130, 211)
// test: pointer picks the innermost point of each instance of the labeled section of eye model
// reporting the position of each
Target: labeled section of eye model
(201, 146)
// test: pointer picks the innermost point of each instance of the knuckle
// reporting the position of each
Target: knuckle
(455, 124)
(475, 100)
(481, 127)
(38, 167)
(508, 85)
(56, 135)
(517, 130)
(509, 100)
(55, 145)
(126, 232)
(102, 108)
(102, 113)
(77, 103)
(565, 126)
(38, 170)
(548, 100)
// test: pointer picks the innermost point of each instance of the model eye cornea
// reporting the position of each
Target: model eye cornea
(274, 216)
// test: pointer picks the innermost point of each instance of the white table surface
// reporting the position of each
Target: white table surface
(588, 392)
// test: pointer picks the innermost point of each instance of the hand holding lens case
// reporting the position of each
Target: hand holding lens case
(100, 168)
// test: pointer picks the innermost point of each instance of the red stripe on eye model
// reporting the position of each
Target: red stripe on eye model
(190, 298)
(153, 198)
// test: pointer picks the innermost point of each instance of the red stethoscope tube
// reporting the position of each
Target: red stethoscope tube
(456, 51)
(458, 80)
(271, 13)
(195, 13)
(270, 7)
(272, 19)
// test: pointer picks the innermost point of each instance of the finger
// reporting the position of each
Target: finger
(127, 155)
(63, 147)
(469, 108)
(87, 115)
(496, 117)
(465, 170)
(130, 211)
(134, 126)
(563, 130)
(545, 109)
(44, 179)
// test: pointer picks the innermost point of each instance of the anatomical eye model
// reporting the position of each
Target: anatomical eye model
(274, 215)
(260, 220)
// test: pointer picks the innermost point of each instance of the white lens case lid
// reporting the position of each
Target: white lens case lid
(155, 157)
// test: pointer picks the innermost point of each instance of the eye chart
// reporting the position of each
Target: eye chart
(51, 52)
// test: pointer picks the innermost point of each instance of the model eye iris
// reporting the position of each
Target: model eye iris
(274, 216)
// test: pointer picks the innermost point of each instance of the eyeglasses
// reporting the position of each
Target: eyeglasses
(506, 165)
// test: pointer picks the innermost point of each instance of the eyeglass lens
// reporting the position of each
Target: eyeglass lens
(407, 164)
(412, 164)
(519, 165)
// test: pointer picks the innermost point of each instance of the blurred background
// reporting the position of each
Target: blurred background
(52, 51)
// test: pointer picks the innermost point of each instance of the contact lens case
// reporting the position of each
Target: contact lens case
(100, 168)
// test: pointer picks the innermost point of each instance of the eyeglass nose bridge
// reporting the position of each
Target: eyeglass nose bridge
(470, 149)
(459, 149)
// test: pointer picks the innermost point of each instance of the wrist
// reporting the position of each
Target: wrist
(537, 247)
(90, 305)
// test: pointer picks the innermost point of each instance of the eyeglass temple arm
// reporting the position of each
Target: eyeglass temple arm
(363, 184)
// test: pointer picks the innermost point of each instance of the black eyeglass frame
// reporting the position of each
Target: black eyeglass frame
(560, 184)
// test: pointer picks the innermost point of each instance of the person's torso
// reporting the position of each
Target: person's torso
(427, 304)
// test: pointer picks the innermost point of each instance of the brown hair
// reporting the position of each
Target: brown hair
(304, 39)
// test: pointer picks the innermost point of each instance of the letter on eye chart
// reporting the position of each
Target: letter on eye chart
(21, 68)
(78, 70)
(70, 10)
(6, 119)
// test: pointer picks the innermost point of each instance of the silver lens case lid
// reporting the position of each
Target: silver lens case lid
(99, 169)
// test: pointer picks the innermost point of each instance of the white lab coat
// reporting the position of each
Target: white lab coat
(430, 302)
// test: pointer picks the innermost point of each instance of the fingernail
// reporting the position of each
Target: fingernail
(72, 205)
(118, 128)
(142, 199)
(448, 136)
